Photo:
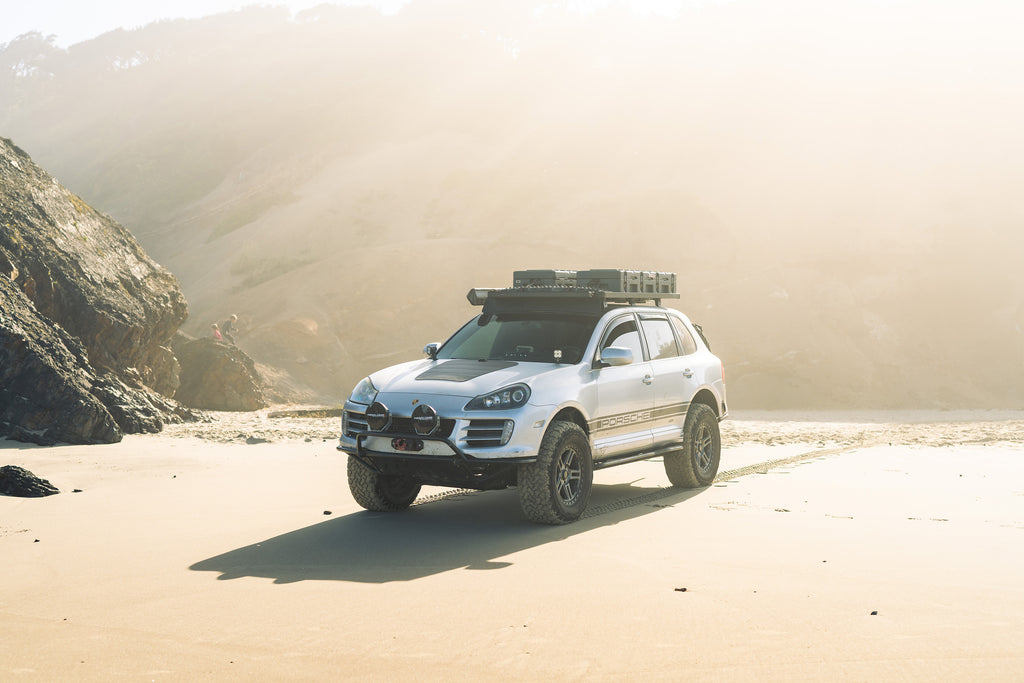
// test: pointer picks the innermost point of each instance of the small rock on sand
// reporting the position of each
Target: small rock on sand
(17, 481)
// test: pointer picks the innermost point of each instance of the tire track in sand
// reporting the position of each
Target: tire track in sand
(727, 476)
(667, 491)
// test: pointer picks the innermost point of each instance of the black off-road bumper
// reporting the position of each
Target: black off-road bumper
(459, 470)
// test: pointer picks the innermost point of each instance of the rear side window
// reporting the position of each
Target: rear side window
(660, 341)
(685, 338)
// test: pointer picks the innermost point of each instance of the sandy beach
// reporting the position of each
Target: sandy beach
(850, 546)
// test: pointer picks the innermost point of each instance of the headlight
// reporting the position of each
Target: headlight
(503, 399)
(364, 392)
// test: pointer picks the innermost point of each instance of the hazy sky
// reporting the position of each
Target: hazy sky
(73, 21)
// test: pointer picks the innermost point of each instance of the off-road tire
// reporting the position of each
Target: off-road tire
(696, 464)
(380, 492)
(556, 488)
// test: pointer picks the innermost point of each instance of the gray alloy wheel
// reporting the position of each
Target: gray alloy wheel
(556, 488)
(696, 463)
(569, 476)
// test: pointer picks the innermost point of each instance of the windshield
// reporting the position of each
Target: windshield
(521, 337)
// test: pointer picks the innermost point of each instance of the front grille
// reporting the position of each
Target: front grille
(481, 433)
(356, 424)
(399, 425)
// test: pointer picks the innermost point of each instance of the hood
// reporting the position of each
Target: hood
(454, 377)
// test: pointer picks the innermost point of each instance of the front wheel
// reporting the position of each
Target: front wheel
(556, 488)
(696, 464)
(380, 492)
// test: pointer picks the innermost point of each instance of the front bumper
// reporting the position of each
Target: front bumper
(439, 462)
(469, 449)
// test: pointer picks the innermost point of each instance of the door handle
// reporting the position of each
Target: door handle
(687, 373)
(647, 379)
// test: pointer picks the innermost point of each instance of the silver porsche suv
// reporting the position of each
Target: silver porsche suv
(545, 385)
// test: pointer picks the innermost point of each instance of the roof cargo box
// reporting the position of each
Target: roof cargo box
(610, 280)
(666, 283)
(544, 278)
(653, 282)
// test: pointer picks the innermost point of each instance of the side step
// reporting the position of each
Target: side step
(634, 457)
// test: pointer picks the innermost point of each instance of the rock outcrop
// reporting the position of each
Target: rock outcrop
(17, 481)
(86, 318)
(45, 379)
(216, 376)
(83, 270)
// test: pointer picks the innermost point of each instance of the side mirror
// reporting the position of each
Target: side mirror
(616, 355)
(431, 350)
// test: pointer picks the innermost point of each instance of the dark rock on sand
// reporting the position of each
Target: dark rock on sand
(216, 376)
(17, 481)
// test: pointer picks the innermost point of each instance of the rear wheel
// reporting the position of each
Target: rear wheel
(696, 464)
(556, 488)
(380, 492)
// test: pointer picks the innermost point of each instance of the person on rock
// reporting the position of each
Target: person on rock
(229, 329)
(216, 332)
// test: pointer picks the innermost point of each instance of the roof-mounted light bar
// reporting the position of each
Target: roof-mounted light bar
(478, 295)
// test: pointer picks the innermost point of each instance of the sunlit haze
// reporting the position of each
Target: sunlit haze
(72, 21)
(837, 184)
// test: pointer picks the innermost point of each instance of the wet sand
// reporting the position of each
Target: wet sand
(834, 546)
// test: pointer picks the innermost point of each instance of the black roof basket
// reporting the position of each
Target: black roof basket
(539, 299)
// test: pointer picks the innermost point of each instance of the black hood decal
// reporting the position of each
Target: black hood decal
(459, 370)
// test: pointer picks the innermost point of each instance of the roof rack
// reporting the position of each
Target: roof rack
(576, 290)
(581, 299)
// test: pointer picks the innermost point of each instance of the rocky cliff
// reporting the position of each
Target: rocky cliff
(86, 317)
(82, 269)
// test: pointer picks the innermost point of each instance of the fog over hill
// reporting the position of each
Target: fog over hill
(836, 184)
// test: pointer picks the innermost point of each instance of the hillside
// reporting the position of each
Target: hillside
(835, 183)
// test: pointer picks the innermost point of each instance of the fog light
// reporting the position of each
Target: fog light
(506, 431)
(425, 419)
(378, 417)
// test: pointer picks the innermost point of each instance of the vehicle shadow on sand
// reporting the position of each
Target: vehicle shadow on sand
(463, 531)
